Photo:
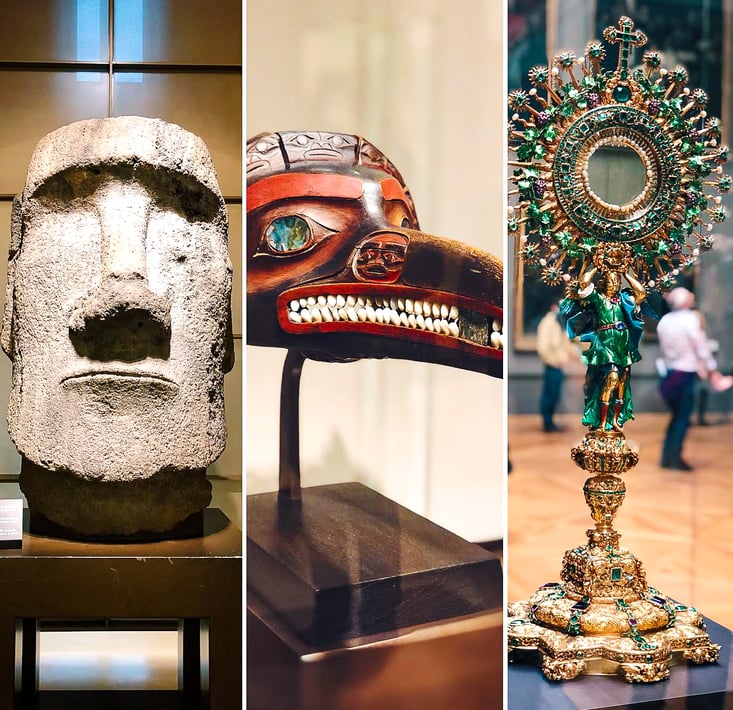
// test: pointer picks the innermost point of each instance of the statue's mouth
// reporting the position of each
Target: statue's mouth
(122, 378)
(396, 311)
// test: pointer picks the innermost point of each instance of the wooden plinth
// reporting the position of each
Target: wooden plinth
(196, 581)
(345, 562)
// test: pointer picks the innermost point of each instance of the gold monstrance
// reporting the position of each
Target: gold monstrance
(603, 617)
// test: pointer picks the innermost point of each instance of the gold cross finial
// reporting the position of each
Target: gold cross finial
(624, 35)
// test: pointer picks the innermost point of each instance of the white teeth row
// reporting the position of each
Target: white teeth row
(406, 305)
(362, 314)
(420, 315)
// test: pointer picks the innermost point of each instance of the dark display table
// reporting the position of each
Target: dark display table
(197, 582)
(705, 687)
(356, 603)
(452, 664)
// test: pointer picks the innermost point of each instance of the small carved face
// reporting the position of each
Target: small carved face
(318, 145)
(381, 258)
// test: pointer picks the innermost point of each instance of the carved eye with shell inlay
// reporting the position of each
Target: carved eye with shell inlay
(288, 234)
(291, 234)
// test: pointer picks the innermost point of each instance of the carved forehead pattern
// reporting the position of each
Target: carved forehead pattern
(289, 150)
(269, 153)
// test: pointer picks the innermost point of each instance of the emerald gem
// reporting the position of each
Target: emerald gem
(550, 133)
(615, 574)
(621, 93)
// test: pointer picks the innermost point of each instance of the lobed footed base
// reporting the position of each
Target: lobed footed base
(563, 656)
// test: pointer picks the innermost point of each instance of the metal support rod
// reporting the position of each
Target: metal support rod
(289, 479)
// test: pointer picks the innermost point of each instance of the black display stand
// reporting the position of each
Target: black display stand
(689, 687)
(356, 602)
(195, 581)
(344, 561)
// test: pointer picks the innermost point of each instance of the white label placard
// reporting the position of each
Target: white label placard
(11, 521)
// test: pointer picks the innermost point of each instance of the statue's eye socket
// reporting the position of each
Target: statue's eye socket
(288, 234)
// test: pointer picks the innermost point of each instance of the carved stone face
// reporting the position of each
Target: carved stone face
(337, 266)
(117, 311)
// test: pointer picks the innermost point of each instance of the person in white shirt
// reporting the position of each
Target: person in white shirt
(686, 354)
(554, 349)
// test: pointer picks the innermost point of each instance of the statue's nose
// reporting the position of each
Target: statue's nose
(121, 318)
(124, 213)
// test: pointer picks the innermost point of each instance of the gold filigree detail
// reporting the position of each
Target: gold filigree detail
(561, 670)
(613, 256)
(604, 452)
(563, 656)
(703, 654)
(645, 673)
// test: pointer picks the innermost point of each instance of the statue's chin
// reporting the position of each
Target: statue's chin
(147, 507)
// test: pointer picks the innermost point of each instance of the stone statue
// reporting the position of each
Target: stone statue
(118, 324)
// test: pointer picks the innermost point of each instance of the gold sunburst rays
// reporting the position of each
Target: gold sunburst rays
(576, 108)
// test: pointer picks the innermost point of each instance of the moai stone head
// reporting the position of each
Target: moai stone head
(117, 321)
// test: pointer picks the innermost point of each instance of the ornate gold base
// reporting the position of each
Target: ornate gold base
(603, 618)
(564, 656)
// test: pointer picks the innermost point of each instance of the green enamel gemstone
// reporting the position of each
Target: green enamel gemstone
(615, 574)
(550, 133)
(676, 123)
(621, 93)
(524, 152)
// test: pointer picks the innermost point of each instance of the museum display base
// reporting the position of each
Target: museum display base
(195, 581)
(693, 687)
(455, 663)
(344, 562)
